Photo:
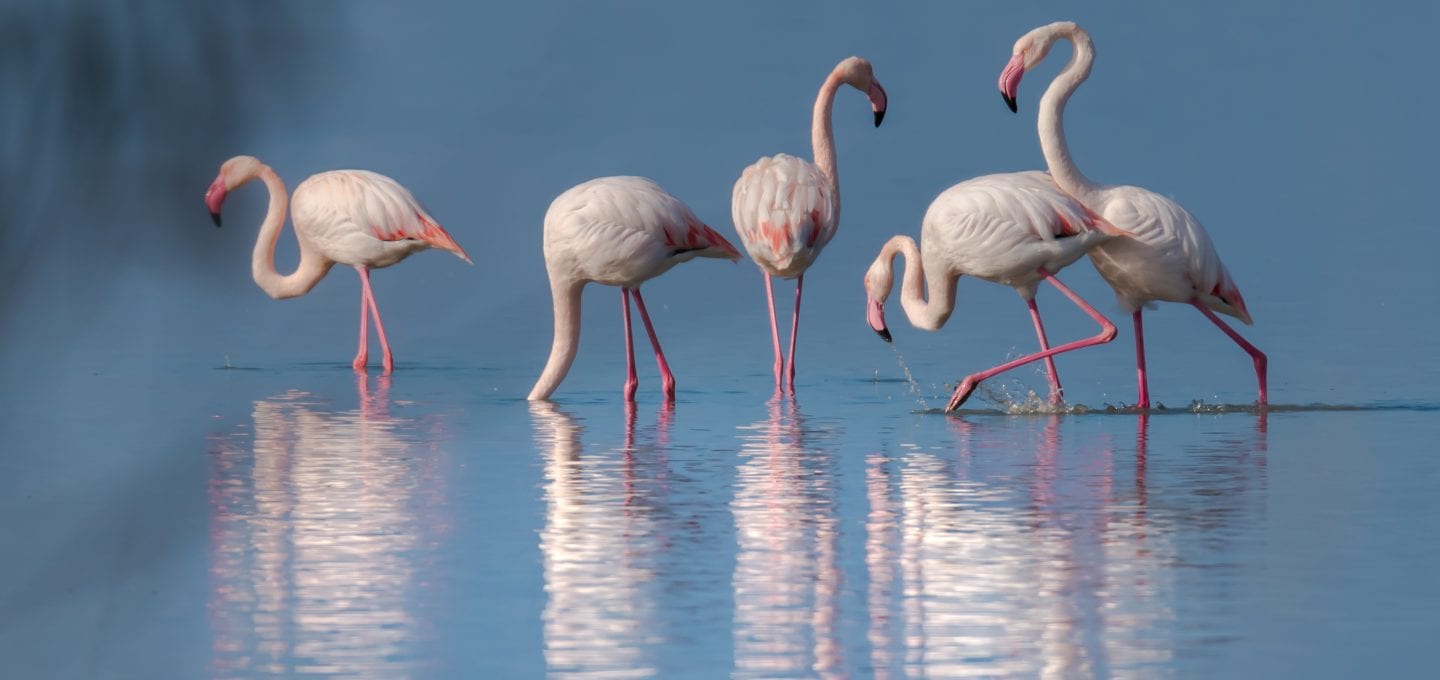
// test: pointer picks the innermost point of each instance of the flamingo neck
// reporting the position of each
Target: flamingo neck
(1052, 114)
(313, 266)
(566, 294)
(927, 314)
(822, 136)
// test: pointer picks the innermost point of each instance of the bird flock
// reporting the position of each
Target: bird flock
(1017, 229)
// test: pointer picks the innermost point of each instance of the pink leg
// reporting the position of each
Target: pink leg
(1056, 392)
(1143, 402)
(774, 328)
(389, 361)
(1106, 334)
(363, 355)
(794, 331)
(1261, 363)
(667, 379)
(631, 382)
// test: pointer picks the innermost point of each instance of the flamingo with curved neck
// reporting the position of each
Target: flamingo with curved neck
(354, 217)
(617, 231)
(786, 209)
(1016, 229)
(1171, 258)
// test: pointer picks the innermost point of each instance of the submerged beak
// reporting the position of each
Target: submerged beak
(875, 316)
(1010, 80)
(215, 198)
(878, 100)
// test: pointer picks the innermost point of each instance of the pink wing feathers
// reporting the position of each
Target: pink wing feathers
(382, 207)
(785, 211)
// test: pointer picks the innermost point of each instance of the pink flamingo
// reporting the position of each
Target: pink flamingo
(1171, 257)
(1016, 229)
(618, 231)
(786, 208)
(354, 217)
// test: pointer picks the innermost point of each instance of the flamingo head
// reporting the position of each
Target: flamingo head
(1029, 51)
(857, 73)
(233, 173)
(1225, 298)
(878, 282)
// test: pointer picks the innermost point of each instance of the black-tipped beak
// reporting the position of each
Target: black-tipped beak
(1010, 102)
(215, 216)
(879, 116)
(884, 334)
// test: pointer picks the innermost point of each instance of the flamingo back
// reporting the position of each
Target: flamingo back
(341, 204)
(785, 210)
(1171, 257)
(624, 230)
(1003, 227)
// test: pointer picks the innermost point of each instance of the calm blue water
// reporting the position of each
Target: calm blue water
(193, 483)
(295, 519)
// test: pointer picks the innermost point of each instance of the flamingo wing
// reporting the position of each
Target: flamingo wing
(376, 205)
(785, 210)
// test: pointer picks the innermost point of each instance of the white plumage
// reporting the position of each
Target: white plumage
(619, 231)
(1016, 229)
(785, 210)
(353, 217)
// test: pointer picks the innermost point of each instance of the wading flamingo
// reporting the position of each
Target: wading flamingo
(1171, 257)
(1013, 228)
(354, 217)
(619, 231)
(786, 208)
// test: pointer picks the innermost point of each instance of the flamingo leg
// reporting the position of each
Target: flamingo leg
(1143, 402)
(1106, 334)
(1261, 362)
(794, 331)
(389, 361)
(1056, 392)
(667, 379)
(363, 354)
(774, 328)
(631, 382)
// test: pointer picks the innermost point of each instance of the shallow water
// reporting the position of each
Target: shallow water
(298, 519)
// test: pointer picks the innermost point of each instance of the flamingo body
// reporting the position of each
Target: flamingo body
(1003, 227)
(785, 211)
(1015, 229)
(786, 208)
(623, 231)
(618, 231)
(353, 217)
(1171, 257)
(363, 218)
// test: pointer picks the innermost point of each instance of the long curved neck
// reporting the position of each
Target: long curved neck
(313, 266)
(566, 294)
(1052, 113)
(822, 137)
(932, 313)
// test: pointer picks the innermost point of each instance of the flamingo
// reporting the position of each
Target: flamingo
(786, 208)
(1016, 229)
(354, 217)
(618, 231)
(1171, 258)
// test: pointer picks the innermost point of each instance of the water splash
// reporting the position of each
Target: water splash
(910, 379)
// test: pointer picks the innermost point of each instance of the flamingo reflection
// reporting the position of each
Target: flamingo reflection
(600, 547)
(320, 520)
(787, 576)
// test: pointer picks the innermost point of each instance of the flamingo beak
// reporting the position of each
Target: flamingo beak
(875, 315)
(878, 100)
(215, 198)
(1010, 80)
